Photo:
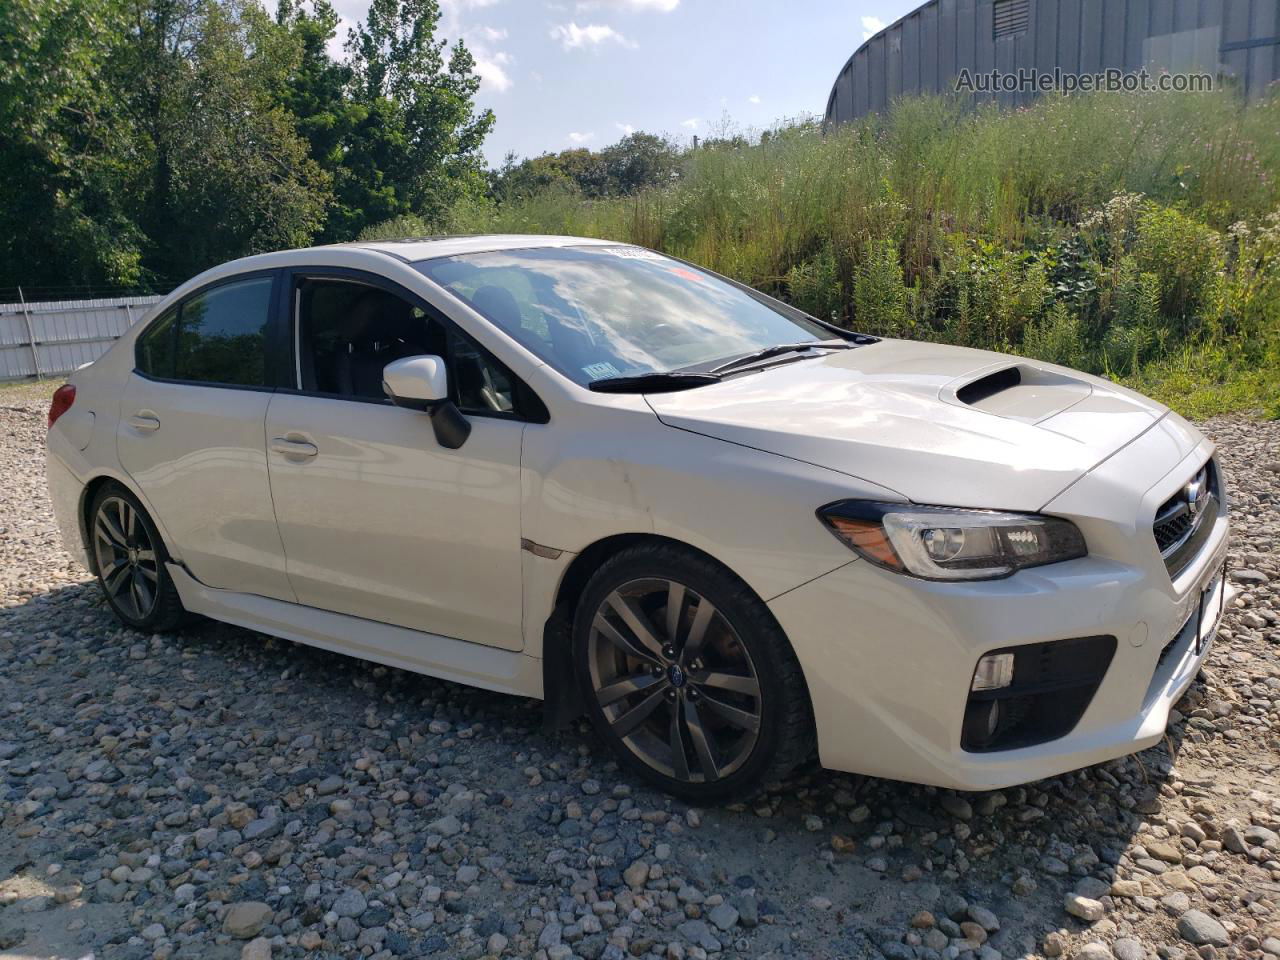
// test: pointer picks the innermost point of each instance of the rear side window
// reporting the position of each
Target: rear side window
(155, 347)
(217, 336)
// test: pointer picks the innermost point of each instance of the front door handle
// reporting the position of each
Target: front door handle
(145, 421)
(294, 449)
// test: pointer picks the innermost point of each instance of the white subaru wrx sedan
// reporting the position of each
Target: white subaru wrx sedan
(733, 535)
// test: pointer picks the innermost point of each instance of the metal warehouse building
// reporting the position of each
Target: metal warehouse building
(925, 51)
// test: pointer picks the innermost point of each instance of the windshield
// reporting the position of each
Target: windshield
(617, 311)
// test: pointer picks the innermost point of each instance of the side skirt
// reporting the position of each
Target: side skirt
(490, 668)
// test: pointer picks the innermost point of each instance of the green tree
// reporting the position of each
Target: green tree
(414, 146)
(223, 171)
(641, 160)
(63, 147)
(579, 169)
(636, 162)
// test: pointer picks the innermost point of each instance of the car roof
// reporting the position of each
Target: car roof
(409, 250)
(412, 249)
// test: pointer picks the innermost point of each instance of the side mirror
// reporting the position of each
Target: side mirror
(422, 383)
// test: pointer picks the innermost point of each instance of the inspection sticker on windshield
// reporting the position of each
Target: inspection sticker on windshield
(598, 371)
(634, 253)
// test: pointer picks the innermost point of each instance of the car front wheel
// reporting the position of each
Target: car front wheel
(129, 560)
(688, 677)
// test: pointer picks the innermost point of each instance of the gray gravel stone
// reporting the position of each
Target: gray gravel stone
(724, 916)
(350, 903)
(246, 920)
(1084, 908)
(1198, 927)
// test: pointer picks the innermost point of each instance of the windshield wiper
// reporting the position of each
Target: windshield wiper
(652, 382)
(780, 350)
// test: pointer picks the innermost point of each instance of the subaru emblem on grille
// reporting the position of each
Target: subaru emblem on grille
(1197, 492)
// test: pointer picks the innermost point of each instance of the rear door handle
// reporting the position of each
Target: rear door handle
(145, 420)
(294, 449)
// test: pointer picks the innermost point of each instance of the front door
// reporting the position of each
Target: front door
(191, 435)
(378, 520)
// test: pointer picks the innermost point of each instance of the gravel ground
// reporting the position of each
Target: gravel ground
(219, 793)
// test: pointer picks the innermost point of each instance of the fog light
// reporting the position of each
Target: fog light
(981, 721)
(994, 672)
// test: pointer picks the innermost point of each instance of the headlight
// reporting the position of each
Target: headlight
(948, 543)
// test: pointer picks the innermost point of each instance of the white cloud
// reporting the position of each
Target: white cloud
(493, 65)
(754, 99)
(491, 68)
(576, 137)
(691, 123)
(626, 128)
(572, 36)
(336, 46)
(871, 26)
(658, 6)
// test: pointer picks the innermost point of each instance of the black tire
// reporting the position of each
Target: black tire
(121, 535)
(744, 651)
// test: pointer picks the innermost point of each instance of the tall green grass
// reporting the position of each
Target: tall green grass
(1132, 235)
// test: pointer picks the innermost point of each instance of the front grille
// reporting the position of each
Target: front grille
(1185, 520)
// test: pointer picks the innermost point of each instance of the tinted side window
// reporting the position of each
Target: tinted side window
(349, 331)
(153, 353)
(481, 384)
(222, 334)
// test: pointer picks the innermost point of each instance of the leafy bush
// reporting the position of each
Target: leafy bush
(995, 293)
(1135, 329)
(1056, 337)
(1186, 257)
(814, 286)
(397, 228)
(879, 298)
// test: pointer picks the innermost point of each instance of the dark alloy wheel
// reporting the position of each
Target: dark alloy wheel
(126, 557)
(688, 677)
(673, 680)
(129, 560)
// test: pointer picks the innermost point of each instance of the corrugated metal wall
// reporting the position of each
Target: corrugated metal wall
(925, 51)
(53, 338)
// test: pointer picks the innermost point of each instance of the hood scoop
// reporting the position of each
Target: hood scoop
(988, 386)
(1018, 391)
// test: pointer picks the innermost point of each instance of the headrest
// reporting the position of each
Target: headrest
(378, 315)
(498, 305)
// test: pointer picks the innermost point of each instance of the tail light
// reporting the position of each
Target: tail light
(63, 398)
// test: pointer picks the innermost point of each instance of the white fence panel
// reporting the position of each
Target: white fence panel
(50, 339)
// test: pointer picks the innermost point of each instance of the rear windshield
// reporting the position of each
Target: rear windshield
(612, 311)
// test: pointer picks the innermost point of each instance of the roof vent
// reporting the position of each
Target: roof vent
(989, 386)
(1011, 18)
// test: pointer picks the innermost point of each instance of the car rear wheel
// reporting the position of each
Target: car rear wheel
(688, 677)
(129, 560)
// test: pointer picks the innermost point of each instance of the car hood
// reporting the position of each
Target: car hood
(937, 424)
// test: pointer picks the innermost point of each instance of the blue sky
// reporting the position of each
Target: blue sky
(566, 73)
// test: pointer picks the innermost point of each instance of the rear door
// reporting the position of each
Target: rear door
(191, 432)
(379, 520)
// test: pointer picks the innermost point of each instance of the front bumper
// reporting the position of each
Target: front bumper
(889, 659)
